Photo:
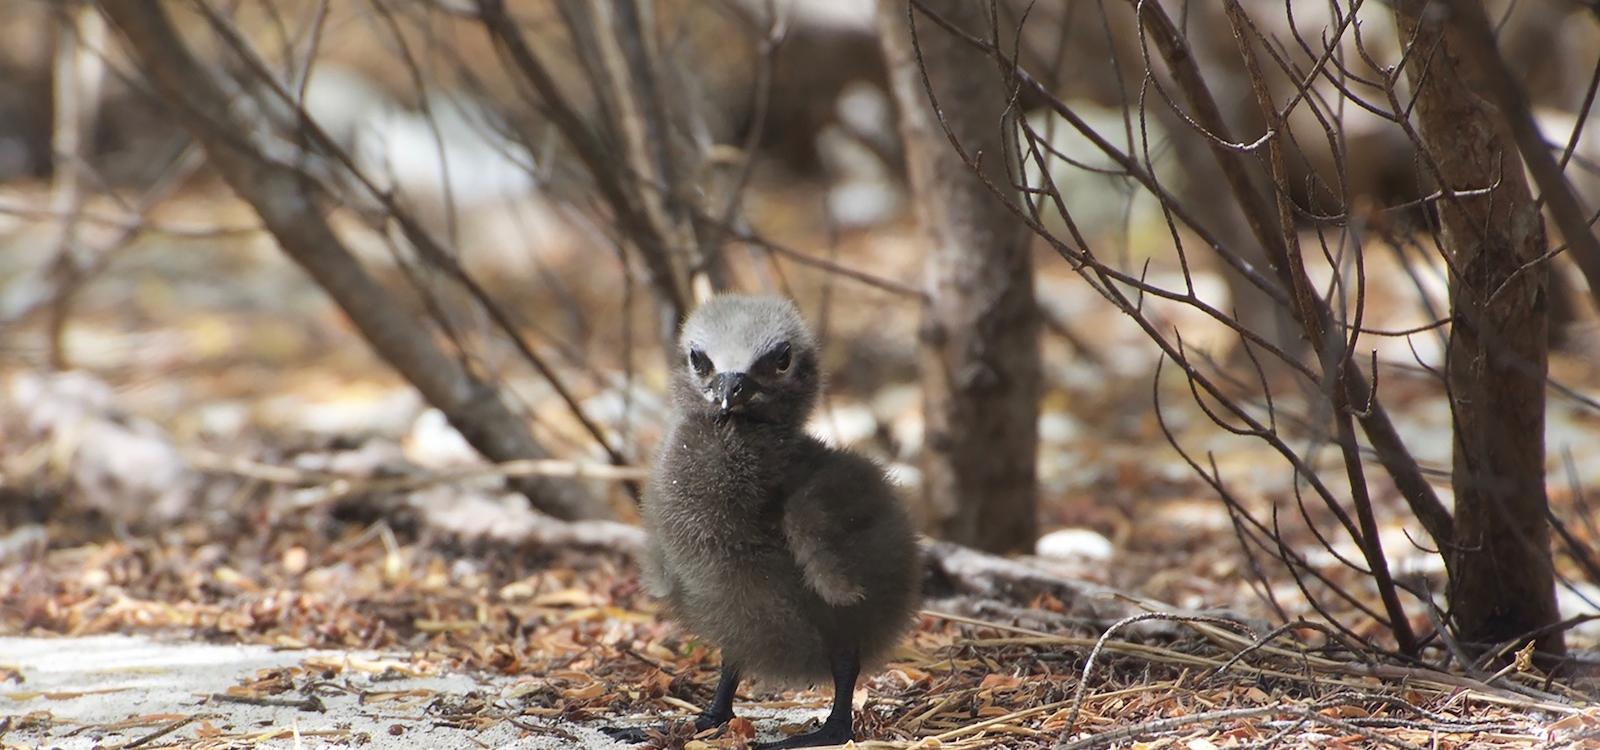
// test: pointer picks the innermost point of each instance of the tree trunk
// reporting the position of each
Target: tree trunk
(288, 207)
(1502, 583)
(980, 329)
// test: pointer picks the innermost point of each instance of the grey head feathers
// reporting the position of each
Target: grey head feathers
(734, 329)
(747, 357)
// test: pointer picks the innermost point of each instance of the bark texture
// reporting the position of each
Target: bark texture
(1502, 583)
(288, 207)
(980, 329)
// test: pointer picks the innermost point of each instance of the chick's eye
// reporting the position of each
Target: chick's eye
(781, 359)
(700, 362)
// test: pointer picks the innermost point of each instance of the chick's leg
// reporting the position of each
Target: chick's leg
(839, 727)
(719, 713)
(721, 709)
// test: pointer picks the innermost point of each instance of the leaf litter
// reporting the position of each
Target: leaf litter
(556, 641)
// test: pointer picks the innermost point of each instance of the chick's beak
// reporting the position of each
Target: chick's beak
(731, 390)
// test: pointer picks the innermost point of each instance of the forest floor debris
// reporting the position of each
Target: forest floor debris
(134, 691)
(289, 636)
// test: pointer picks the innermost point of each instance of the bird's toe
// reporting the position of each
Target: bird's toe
(629, 735)
(710, 719)
(827, 735)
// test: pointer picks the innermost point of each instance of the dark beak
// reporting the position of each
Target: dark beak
(730, 391)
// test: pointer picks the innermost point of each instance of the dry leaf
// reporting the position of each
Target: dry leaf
(999, 682)
(741, 727)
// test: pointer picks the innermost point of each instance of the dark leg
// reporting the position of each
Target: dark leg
(839, 727)
(721, 709)
(719, 713)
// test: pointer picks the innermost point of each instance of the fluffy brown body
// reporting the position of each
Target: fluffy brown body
(779, 549)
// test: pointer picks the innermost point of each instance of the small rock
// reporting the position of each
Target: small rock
(1080, 544)
(433, 443)
(294, 560)
(1058, 427)
(843, 424)
(24, 543)
(124, 466)
(858, 203)
(1581, 599)
(904, 475)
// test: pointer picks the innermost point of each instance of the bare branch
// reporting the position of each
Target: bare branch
(290, 211)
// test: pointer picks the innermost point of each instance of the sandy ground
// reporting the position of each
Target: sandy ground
(110, 691)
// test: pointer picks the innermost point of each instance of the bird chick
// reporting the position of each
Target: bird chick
(795, 558)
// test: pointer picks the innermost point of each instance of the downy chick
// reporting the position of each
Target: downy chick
(795, 558)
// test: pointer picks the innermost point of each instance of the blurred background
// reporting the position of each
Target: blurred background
(321, 263)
